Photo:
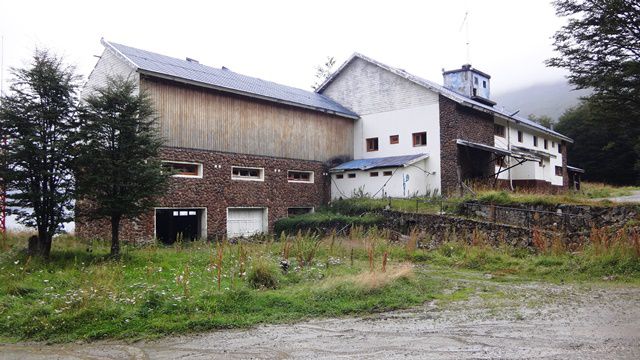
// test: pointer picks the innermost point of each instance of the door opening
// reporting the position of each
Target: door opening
(179, 224)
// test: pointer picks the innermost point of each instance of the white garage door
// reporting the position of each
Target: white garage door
(245, 221)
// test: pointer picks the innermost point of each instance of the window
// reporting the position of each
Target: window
(339, 176)
(535, 140)
(498, 130)
(559, 148)
(300, 176)
(246, 173)
(520, 136)
(387, 173)
(373, 174)
(546, 144)
(352, 176)
(293, 211)
(559, 170)
(420, 138)
(183, 169)
(484, 84)
(372, 144)
(394, 139)
(475, 80)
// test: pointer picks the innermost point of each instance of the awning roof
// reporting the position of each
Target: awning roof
(484, 147)
(575, 169)
(525, 154)
(382, 162)
(534, 152)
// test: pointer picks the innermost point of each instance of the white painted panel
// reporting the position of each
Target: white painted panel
(245, 221)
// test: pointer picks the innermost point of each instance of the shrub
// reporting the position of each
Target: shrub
(323, 222)
(263, 274)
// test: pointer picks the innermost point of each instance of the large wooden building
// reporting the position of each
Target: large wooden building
(247, 151)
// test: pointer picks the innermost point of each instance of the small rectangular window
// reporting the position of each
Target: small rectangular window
(373, 174)
(475, 80)
(339, 176)
(553, 144)
(372, 144)
(558, 170)
(484, 84)
(520, 136)
(535, 140)
(183, 169)
(352, 176)
(246, 173)
(498, 130)
(546, 144)
(387, 173)
(300, 176)
(420, 138)
(394, 139)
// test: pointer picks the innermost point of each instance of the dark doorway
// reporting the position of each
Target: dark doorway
(475, 164)
(174, 224)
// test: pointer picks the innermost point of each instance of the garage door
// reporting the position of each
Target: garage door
(245, 221)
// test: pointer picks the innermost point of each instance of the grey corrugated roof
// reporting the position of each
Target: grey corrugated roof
(463, 100)
(226, 80)
(382, 162)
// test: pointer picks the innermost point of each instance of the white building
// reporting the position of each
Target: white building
(415, 137)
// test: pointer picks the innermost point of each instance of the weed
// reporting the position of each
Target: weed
(264, 274)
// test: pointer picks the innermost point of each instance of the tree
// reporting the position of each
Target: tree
(543, 120)
(323, 72)
(37, 121)
(119, 173)
(600, 46)
(604, 148)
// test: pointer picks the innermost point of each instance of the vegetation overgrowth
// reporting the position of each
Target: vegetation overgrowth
(83, 294)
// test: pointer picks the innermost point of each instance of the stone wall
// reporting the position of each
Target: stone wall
(567, 218)
(216, 191)
(459, 122)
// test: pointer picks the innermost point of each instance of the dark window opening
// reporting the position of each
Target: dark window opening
(394, 139)
(420, 138)
(498, 130)
(372, 144)
(559, 170)
(182, 169)
(387, 173)
(520, 136)
(301, 176)
(484, 84)
(546, 144)
(339, 176)
(501, 162)
(178, 224)
(535, 141)
(373, 174)
(352, 176)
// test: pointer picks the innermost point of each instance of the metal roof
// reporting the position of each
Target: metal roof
(575, 169)
(461, 99)
(382, 162)
(484, 147)
(225, 80)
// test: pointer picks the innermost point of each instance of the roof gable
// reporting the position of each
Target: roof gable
(458, 98)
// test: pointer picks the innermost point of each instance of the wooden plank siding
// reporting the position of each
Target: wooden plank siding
(199, 118)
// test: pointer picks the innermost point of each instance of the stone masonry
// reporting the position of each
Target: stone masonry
(216, 191)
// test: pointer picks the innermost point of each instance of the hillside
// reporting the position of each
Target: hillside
(551, 99)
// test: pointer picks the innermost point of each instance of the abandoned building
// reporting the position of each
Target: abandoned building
(248, 151)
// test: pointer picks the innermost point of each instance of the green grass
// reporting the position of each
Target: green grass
(322, 221)
(431, 205)
(152, 291)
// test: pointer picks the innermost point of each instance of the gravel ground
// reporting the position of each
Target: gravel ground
(531, 320)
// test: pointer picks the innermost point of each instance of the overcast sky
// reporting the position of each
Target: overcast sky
(283, 41)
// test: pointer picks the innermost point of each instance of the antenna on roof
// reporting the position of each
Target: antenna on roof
(465, 25)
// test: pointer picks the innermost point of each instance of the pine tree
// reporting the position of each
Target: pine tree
(119, 173)
(37, 121)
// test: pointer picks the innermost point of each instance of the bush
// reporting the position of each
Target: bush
(264, 274)
(323, 222)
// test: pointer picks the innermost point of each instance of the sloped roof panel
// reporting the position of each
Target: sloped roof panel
(382, 162)
(225, 79)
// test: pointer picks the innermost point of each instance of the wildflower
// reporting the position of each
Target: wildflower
(17, 262)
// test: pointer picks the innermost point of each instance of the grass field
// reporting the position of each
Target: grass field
(80, 294)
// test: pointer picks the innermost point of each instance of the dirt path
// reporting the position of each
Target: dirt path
(633, 198)
(500, 321)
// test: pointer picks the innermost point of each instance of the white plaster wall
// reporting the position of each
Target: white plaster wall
(109, 65)
(530, 170)
(405, 182)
